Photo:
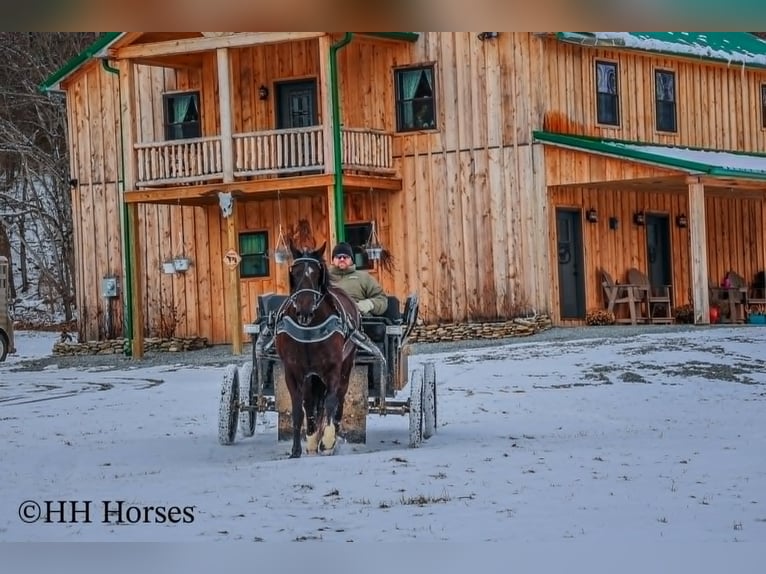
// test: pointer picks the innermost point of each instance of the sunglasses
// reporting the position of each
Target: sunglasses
(342, 257)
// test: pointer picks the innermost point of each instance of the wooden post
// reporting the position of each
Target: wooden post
(134, 248)
(235, 293)
(325, 99)
(698, 251)
(332, 236)
(135, 251)
(224, 101)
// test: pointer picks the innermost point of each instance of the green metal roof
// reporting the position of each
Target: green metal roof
(54, 80)
(740, 48)
(698, 161)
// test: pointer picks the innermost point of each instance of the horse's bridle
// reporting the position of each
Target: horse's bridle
(317, 295)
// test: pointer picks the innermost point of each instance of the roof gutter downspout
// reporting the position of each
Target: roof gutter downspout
(336, 124)
(127, 307)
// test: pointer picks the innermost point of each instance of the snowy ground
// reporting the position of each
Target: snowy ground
(652, 438)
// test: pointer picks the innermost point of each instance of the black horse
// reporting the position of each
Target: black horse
(313, 338)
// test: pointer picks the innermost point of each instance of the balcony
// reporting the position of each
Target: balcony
(265, 153)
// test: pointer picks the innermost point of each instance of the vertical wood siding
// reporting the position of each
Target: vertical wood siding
(473, 229)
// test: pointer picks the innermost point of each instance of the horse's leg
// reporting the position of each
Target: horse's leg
(311, 404)
(329, 433)
(297, 405)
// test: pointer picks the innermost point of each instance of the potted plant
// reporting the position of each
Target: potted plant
(756, 314)
(372, 246)
(684, 313)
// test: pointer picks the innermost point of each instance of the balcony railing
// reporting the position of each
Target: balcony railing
(267, 153)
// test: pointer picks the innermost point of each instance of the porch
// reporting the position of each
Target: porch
(282, 152)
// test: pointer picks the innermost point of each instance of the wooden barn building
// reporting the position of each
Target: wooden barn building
(504, 171)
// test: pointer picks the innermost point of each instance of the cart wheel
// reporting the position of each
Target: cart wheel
(228, 409)
(429, 400)
(247, 403)
(416, 408)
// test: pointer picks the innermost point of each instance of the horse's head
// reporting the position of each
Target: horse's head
(308, 282)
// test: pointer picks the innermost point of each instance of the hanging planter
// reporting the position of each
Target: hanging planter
(374, 252)
(372, 246)
(281, 251)
(281, 255)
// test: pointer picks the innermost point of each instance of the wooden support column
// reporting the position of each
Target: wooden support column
(134, 248)
(224, 101)
(135, 254)
(325, 99)
(332, 235)
(698, 251)
(234, 291)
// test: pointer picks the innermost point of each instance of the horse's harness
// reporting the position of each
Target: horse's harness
(340, 322)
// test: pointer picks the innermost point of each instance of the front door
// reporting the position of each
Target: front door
(296, 104)
(297, 108)
(570, 264)
(658, 250)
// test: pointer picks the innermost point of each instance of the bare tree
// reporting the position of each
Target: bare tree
(35, 200)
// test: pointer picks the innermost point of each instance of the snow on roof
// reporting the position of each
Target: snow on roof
(719, 159)
(730, 47)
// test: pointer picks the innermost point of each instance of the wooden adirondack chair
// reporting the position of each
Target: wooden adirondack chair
(619, 294)
(657, 299)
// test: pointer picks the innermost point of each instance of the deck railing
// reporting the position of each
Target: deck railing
(270, 152)
(279, 151)
(179, 161)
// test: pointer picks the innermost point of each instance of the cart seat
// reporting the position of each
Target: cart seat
(268, 304)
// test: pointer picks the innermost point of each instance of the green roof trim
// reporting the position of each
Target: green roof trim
(404, 36)
(699, 161)
(53, 81)
(741, 48)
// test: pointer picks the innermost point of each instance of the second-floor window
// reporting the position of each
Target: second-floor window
(665, 100)
(607, 95)
(415, 102)
(254, 250)
(182, 115)
(763, 105)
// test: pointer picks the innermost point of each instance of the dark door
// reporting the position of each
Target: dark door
(297, 104)
(297, 108)
(570, 263)
(658, 250)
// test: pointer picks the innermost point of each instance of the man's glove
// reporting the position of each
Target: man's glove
(365, 305)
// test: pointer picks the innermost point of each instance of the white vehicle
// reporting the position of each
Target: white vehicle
(6, 324)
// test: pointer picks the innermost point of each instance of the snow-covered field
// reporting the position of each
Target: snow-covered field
(648, 439)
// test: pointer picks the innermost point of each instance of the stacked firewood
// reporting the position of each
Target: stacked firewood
(519, 327)
(118, 346)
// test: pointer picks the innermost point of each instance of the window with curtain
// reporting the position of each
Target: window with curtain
(254, 250)
(607, 95)
(763, 105)
(357, 235)
(415, 101)
(182, 116)
(665, 100)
